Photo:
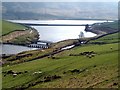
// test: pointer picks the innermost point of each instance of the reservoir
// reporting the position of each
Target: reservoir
(52, 33)
(14, 49)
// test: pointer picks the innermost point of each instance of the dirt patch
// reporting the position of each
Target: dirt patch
(13, 35)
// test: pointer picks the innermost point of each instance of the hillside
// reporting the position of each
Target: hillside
(112, 38)
(68, 69)
(104, 28)
(60, 10)
(13, 33)
(113, 25)
(8, 27)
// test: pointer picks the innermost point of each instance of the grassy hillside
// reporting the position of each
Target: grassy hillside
(9, 26)
(20, 36)
(107, 27)
(99, 71)
(113, 25)
(112, 38)
(77, 71)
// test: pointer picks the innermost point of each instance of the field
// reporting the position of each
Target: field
(8, 27)
(113, 25)
(112, 38)
(74, 71)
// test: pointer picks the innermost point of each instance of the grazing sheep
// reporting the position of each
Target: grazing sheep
(90, 56)
(111, 48)
(37, 72)
(14, 75)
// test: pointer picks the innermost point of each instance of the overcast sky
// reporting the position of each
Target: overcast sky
(60, 0)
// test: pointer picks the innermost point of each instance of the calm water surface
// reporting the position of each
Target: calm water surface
(14, 49)
(58, 33)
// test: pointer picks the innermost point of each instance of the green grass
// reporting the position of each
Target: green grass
(113, 25)
(112, 38)
(105, 58)
(106, 26)
(27, 38)
(8, 27)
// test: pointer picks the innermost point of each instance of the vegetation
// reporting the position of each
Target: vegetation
(113, 25)
(27, 38)
(8, 27)
(74, 69)
(13, 33)
(106, 27)
(112, 38)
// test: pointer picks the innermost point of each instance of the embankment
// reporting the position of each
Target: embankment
(18, 34)
(103, 28)
(20, 37)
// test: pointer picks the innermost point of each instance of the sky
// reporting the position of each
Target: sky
(60, 0)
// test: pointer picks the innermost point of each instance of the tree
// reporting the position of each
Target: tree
(81, 35)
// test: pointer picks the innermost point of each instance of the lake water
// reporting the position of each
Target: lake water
(58, 33)
(13, 49)
(52, 33)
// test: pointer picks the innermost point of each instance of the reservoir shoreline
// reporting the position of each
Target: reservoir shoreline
(26, 45)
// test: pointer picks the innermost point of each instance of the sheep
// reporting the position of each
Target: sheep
(37, 72)
(111, 48)
(14, 75)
